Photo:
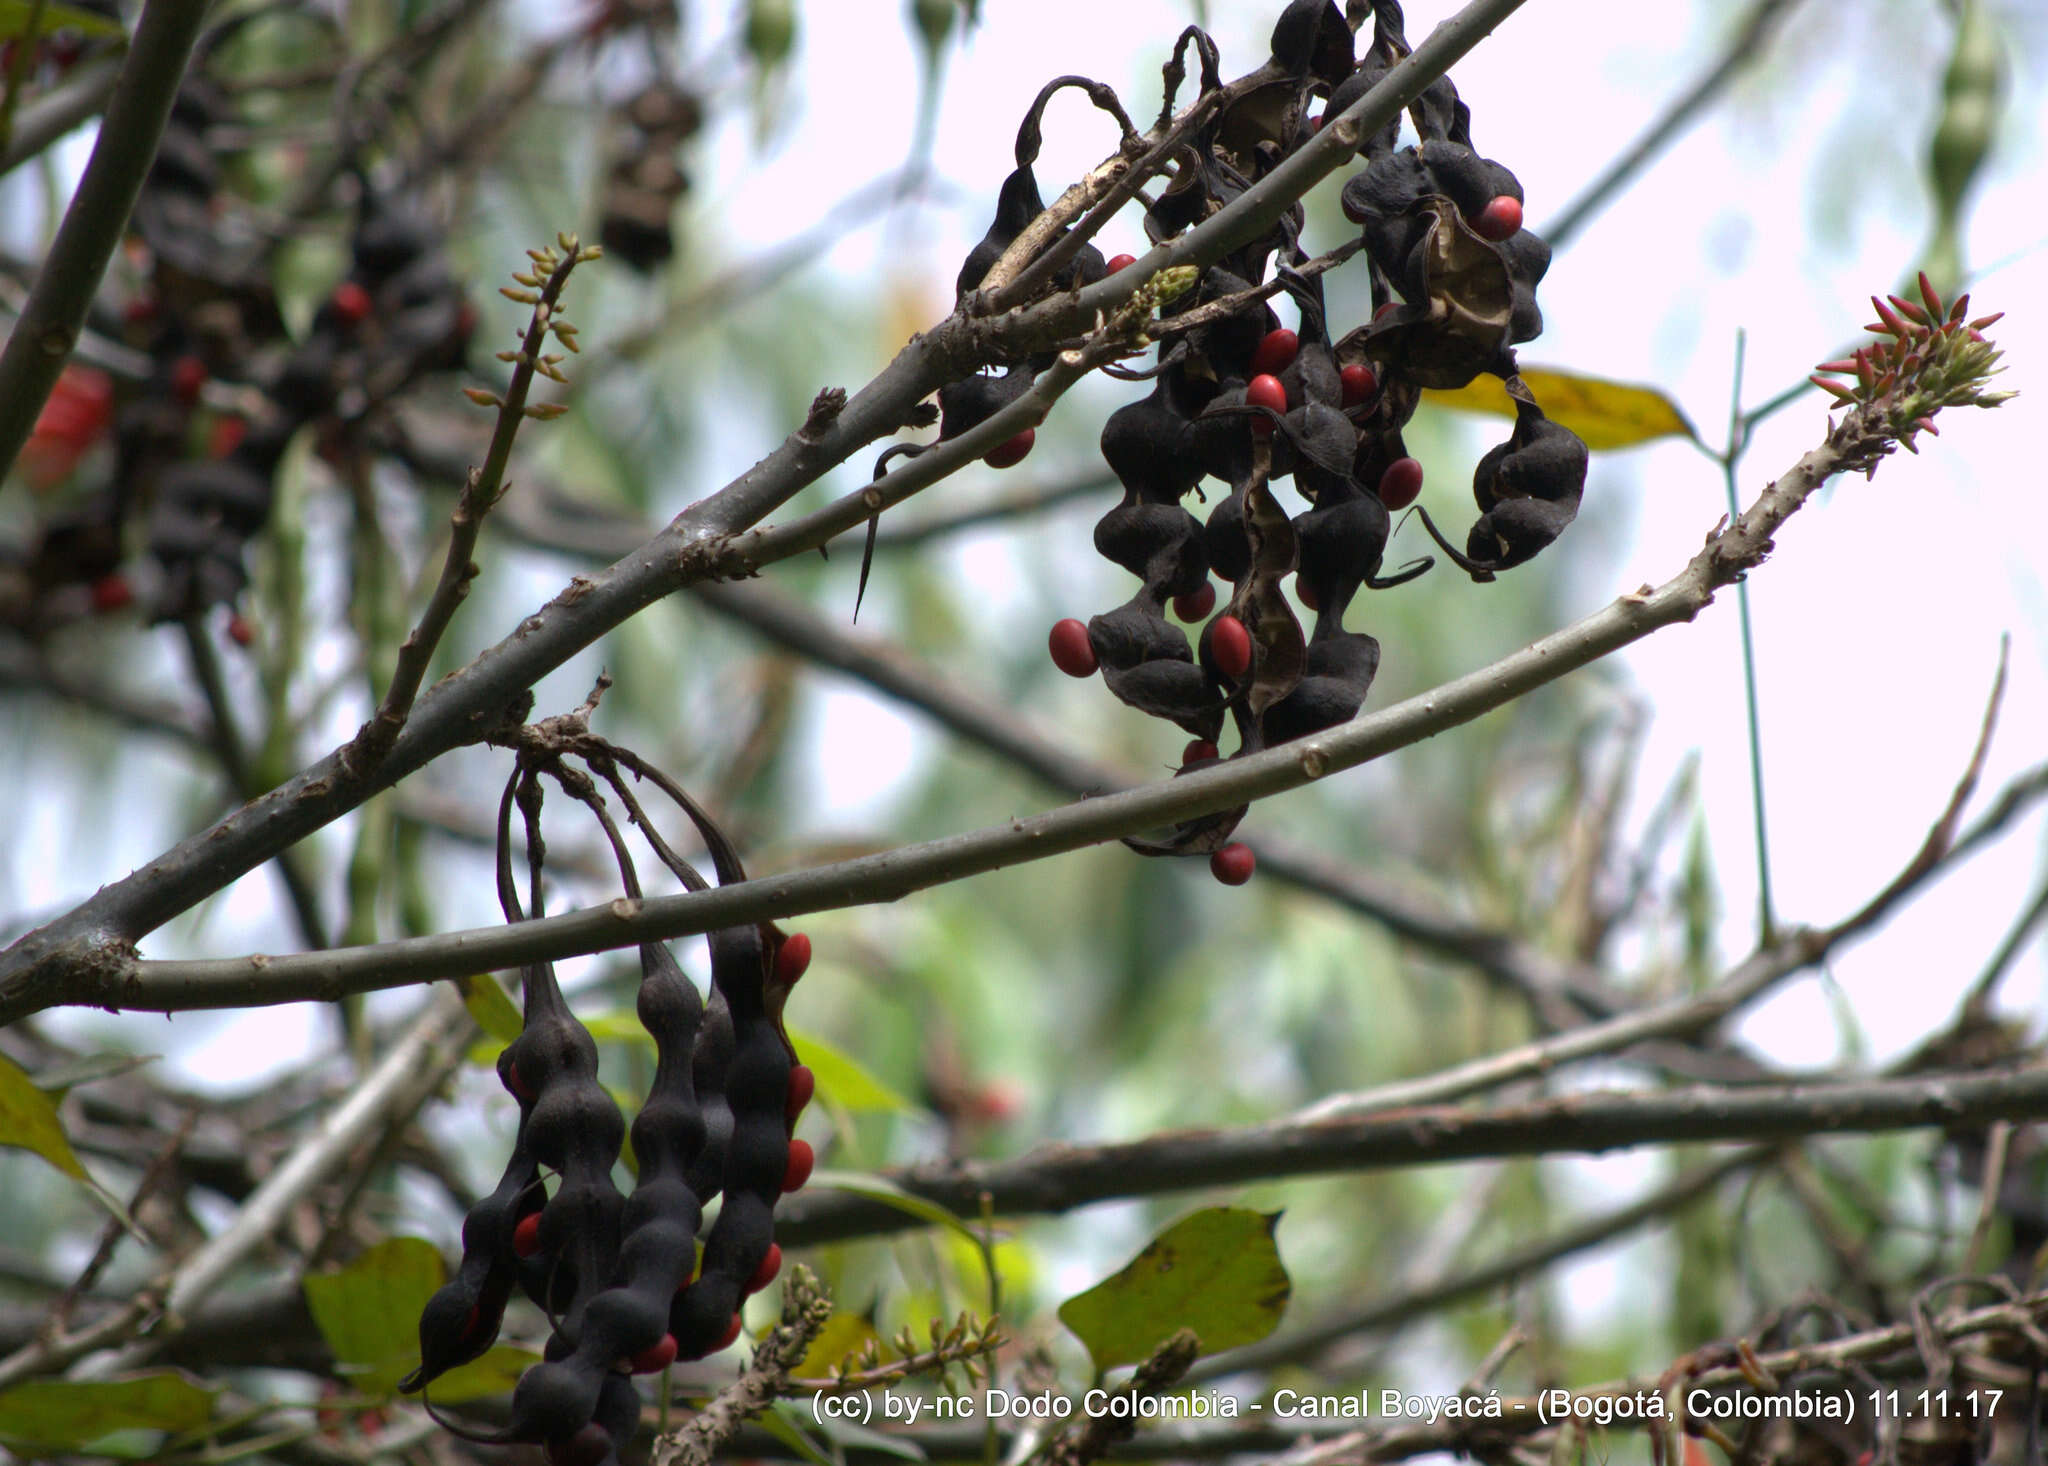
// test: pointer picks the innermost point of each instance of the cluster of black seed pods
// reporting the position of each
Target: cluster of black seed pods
(1238, 398)
(619, 1277)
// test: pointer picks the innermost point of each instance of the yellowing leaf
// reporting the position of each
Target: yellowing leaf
(65, 1414)
(844, 1335)
(480, 1379)
(1608, 415)
(14, 18)
(369, 1311)
(1216, 1272)
(28, 1121)
(494, 1011)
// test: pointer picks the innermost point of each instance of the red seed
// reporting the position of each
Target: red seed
(802, 1159)
(188, 376)
(655, 1358)
(1306, 594)
(526, 1236)
(1118, 262)
(1012, 453)
(802, 1085)
(1233, 864)
(1501, 218)
(1315, 123)
(589, 1446)
(1198, 751)
(226, 436)
(1276, 352)
(792, 960)
(771, 1264)
(1359, 384)
(1231, 645)
(1401, 483)
(1382, 312)
(1266, 391)
(112, 593)
(732, 1331)
(240, 632)
(1195, 605)
(352, 303)
(513, 1083)
(1071, 650)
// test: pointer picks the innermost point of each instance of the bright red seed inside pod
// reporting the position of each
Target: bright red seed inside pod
(1265, 390)
(1231, 645)
(802, 1160)
(1401, 483)
(1501, 218)
(526, 1236)
(771, 1265)
(112, 593)
(1012, 453)
(1233, 864)
(1198, 750)
(655, 1358)
(732, 1331)
(226, 436)
(188, 375)
(1071, 651)
(1385, 310)
(802, 1085)
(240, 632)
(1276, 352)
(1195, 605)
(1359, 383)
(1118, 262)
(352, 302)
(793, 960)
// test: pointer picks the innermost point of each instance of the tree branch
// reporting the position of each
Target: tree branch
(1057, 1178)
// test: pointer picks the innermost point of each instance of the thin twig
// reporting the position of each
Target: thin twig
(805, 1309)
(485, 485)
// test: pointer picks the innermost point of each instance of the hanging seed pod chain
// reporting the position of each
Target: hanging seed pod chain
(618, 1277)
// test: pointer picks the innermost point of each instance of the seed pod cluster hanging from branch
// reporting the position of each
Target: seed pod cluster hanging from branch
(1239, 398)
(619, 1277)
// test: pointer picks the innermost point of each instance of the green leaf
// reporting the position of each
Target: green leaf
(782, 1425)
(369, 1311)
(1608, 415)
(67, 1414)
(494, 1374)
(28, 1121)
(14, 19)
(842, 1080)
(1216, 1272)
(492, 1008)
(888, 1193)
